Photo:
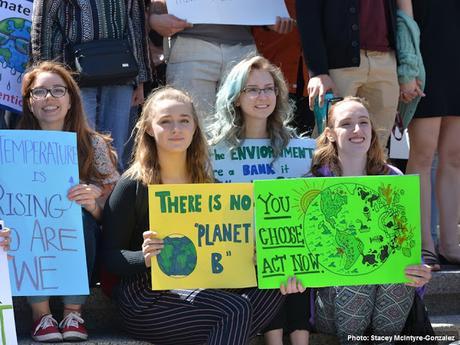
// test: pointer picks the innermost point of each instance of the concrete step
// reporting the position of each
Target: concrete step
(442, 299)
(443, 293)
(444, 326)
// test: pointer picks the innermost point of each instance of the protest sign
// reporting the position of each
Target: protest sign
(337, 230)
(254, 160)
(7, 325)
(15, 25)
(236, 12)
(208, 235)
(47, 243)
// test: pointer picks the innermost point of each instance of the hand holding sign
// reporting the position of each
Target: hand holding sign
(283, 25)
(151, 246)
(85, 195)
(5, 237)
(292, 286)
(418, 275)
(167, 24)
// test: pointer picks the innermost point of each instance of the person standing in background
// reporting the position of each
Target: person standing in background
(57, 23)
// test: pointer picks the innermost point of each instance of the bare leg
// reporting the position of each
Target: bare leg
(274, 337)
(423, 136)
(69, 308)
(299, 337)
(39, 309)
(448, 187)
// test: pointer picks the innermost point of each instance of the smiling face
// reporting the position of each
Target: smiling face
(352, 130)
(254, 105)
(50, 112)
(172, 126)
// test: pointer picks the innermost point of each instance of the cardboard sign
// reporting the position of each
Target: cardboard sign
(253, 160)
(208, 236)
(15, 26)
(237, 12)
(38, 169)
(337, 230)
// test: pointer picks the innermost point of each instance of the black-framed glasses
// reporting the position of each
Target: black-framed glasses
(41, 92)
(255, 91)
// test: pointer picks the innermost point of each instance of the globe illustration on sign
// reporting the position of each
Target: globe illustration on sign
(355, 228)
(14, 44)
(178, 256)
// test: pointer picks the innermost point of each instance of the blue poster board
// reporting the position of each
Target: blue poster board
(37, 170)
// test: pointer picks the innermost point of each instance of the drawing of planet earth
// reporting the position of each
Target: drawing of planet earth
(354, 228)
(14, 43)
(178, 257)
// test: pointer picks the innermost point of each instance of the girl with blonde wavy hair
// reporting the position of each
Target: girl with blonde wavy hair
(170, 149)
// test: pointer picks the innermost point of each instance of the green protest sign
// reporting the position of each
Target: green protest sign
(337, 230)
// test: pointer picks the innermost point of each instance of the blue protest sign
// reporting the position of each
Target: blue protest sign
(37, 170)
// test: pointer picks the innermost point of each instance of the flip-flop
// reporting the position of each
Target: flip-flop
(431, 259)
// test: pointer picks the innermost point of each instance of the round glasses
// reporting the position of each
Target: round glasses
(41, 92)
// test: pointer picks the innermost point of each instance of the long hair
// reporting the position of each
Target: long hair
(146, 165)
(326, 154)
(74, 121)
(229, 125)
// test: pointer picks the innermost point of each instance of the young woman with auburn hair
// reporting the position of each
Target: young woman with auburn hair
(349, 147)
(51, 101)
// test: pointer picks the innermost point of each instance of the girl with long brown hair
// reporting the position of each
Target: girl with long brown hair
(51, 101)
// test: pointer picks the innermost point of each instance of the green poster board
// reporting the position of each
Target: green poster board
(337, 230)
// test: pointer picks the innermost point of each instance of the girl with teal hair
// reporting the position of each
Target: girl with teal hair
(253, 103)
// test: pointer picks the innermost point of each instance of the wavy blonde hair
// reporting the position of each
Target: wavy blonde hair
(326, 154)
(229, 125)
(145, 163)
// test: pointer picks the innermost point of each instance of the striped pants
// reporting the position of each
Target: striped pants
(353, 310)
(195, 317)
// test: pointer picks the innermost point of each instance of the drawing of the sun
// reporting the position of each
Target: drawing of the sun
(306, 195)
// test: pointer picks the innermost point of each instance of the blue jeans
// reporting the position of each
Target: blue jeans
(91, 231)
(107, 109)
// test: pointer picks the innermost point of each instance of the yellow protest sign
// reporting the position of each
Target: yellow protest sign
(208, 235)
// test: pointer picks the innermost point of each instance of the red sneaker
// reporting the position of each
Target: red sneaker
(46, 329)
(72, 327)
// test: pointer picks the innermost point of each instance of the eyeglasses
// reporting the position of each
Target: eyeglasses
(255, 91)
(41, 92)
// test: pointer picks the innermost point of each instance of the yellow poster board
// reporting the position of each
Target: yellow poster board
(208, 235)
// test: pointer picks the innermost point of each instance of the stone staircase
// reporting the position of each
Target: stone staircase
(442, 299)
